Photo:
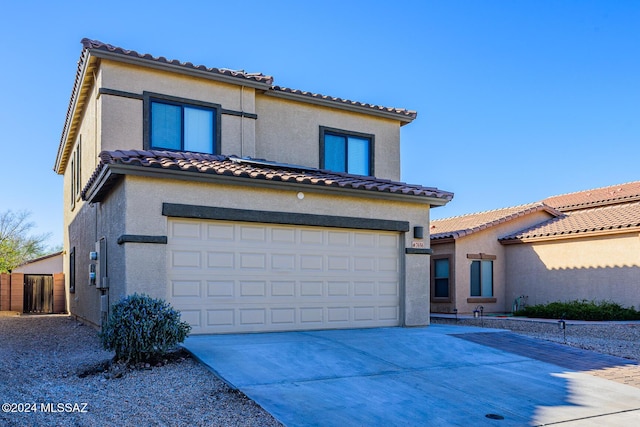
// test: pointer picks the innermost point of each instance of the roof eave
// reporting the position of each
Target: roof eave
(87, 63)
(572, 235)
(177, 68)
(98, 190)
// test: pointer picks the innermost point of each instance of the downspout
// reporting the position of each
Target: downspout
(241, 121)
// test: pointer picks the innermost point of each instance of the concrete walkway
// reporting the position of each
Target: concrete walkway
(434, 376)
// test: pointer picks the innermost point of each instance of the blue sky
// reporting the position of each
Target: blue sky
(516, 100)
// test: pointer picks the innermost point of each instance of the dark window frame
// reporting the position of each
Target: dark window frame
(72, 270)
(435, 258)
(150, 97)
(324, 130)
(480, 272)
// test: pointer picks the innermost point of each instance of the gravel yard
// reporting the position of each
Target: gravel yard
(617, 339)
(51, 360)
(41, 358)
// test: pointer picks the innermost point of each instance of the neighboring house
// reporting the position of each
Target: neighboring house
(167, 193)
(583, 245)
(36, 286)
(47, 264)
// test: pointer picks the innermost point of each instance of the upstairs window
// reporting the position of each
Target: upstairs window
(344, 151)
(181, 125)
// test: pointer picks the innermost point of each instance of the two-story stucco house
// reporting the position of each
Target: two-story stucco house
(249, 207)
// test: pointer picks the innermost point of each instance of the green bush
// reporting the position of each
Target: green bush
(580, 310)
(142, 328)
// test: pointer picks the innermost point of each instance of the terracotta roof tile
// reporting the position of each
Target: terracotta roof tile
(596, 197)
(463, 225)
(614, 217)
(98, 45)
(254, 170)
(409, 113)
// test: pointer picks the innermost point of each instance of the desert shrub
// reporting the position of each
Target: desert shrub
(581, 310)
(142, 328)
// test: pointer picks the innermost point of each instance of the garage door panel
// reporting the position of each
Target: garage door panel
(186, 259)
(221, 317)
(285, 262)
(220, 232)
(221, 260)
(283, 236)
(253, 261)
(253, 316)
(186, 288)
(311, 238)
(220, 288)
(283, 288)
(263, 277)
(253, 234)
(186, 230)
(338, 289)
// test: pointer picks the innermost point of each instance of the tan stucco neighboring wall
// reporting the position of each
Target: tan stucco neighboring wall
(145, 264)
(486, 242)
(289, 131)
(596, 268)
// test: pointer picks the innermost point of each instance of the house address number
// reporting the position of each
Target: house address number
(417, 245)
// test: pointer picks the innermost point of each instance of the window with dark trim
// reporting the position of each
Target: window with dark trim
(346, 151)
(179, 124)
(76, 178)
(72, 270)
(441, 279)
(482, 278)
(72, 195)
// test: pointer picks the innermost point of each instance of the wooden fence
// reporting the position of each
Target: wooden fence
(12, 293)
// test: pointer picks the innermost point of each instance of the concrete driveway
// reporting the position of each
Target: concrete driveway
(434, 376)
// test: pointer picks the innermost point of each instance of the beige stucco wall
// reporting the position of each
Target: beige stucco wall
(92, 222)
(145, 264)
(484, 241)
(49, 265)
(596, 268)
(289, 132)
(87, 136)
(285, 131)
(122, 118)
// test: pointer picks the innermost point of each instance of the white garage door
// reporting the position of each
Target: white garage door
(248, 277)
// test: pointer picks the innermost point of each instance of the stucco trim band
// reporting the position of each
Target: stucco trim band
(139, 238)
(268, 217)
(418, 251)
(131, 95)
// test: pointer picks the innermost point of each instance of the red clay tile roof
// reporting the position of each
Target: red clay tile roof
(596, 197)
(619, 217)
(86, 63)
(464, 225)
(231, 166)
(258, 77)
(408, 113)
(98, 45)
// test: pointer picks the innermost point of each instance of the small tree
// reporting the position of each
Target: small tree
(16, 245)
(142, 328)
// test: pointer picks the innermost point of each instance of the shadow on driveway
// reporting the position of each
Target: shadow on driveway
(437, 376)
